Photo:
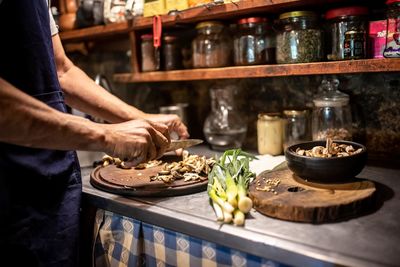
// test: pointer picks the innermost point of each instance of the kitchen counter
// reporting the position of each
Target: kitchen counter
(370, 240)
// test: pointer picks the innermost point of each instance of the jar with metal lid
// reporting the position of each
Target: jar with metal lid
(354, 45)
(331, 113)
(296, 127)
(342, 21)
(392, 47)
(254, 42)
(150, 55)
(269, 133)
(212, 46)
(171, 53)
(299, 38)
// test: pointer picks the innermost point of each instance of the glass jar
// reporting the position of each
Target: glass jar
(354, 45)
(150, 54)
(269, 133)
(331, 113)
(392, 47)
(296, 127)
(171, 53)
(299, 38)
(224, 128)
(254, 42)
(212, 46)
(341, 21)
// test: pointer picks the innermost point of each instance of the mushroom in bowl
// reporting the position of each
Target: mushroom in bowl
(326, 161)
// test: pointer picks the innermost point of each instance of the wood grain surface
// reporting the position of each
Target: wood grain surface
(302, 201)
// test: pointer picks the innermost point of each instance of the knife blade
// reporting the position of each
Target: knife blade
(183, 143)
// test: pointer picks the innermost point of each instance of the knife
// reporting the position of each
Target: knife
(183, 143)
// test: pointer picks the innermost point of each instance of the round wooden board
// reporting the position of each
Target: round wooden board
(302, 201)
(133, 182)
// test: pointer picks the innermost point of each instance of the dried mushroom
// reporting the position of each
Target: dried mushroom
(330, 150)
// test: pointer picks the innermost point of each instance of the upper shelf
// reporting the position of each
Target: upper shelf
(96, 32)
(260, 71)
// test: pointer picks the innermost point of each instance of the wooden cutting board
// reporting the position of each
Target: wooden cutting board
(136, 182)
(301, 201)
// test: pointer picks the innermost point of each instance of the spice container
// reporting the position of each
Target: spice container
(212, 46)
(269, 133)
(296, 127)
(224, 128)
(150, 55)
(331, 113)
(299, 38)
(254, 42)
(171, 53)
(347, 29)
(392, 47)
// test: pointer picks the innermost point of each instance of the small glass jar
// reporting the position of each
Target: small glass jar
(212, 46)
(299, 39)
(150, 55)
(225, 127)
(296, 127)
(254, 42)
(269, 133)
(331, 113)
(354, 45)
(171, 53)
(392, 47)
(341, 22)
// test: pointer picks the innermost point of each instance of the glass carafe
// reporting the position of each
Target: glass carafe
(224, 128)
(331, 113)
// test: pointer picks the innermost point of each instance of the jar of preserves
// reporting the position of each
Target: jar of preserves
(296, 126)
(341, 22)
(392, 47)
(254, 42)
(299, 38)
(171, 53)
(150, 54)
(331, 113)
(212, 46)
(269, 133)
(354, 45)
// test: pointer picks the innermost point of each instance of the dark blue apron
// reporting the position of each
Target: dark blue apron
(40, 189)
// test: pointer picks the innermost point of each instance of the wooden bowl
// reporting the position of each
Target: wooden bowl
(326, 170)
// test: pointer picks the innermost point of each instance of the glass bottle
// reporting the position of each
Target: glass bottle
(331, 113)
(224, 128)
(296, 127)
(392, 47)
(299, 39)
(212, 46)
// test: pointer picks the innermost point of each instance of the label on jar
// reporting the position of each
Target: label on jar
(354, 44)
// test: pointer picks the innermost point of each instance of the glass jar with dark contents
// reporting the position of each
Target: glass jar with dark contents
(150, 55)
(347, 23)
(254, 42)
(171, 53)
(299, 39)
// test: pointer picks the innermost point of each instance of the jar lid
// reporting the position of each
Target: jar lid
(208, 24)
(269, 116)
(146, 36)
(252, 20)
(294, 14)
(295, 112)
(347, 11)
(330, 96)
(169, 38)
(389, 2)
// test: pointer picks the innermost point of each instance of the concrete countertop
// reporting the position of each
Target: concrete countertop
(370, 240)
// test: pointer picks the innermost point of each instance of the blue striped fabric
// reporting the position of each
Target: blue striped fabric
(123, 241)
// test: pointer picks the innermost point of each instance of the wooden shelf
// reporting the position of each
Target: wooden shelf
(96, 32)
(260, 71)
(229, 10)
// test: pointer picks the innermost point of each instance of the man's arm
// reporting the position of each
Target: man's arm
(84, 94)
(27, 121)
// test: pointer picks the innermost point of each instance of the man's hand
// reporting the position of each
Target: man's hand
(173, 122)
(137, 141)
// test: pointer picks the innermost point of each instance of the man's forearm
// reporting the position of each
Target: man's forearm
(26, 121)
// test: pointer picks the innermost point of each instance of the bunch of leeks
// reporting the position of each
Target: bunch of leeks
(228, 183)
